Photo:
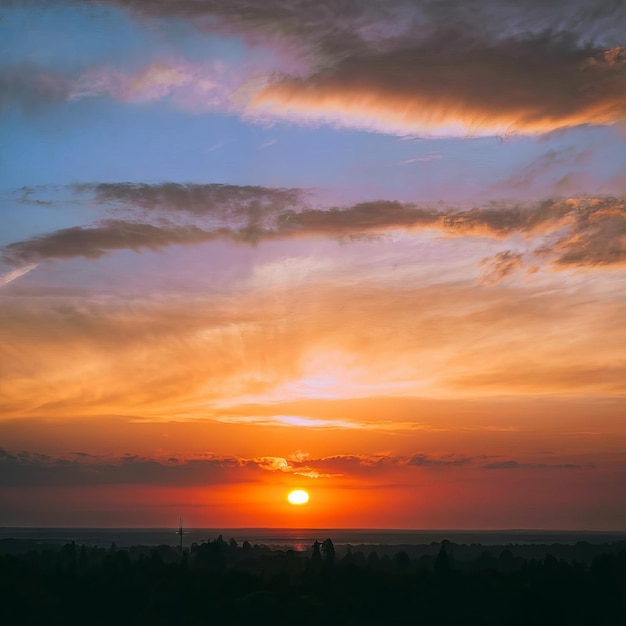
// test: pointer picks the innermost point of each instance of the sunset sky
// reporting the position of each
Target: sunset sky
(372, 250)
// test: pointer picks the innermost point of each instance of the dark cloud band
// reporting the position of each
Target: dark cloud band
(574, 232)
(28, 469)
(409, 65)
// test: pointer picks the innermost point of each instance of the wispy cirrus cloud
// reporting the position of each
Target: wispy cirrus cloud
(196, 86)
(12, 275)
(551, 173)
(311, 423)
(181, 355)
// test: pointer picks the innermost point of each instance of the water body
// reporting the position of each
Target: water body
(302, 539)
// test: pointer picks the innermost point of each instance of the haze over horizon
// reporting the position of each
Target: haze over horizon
(375, 251)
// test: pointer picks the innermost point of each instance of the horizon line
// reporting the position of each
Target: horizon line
(343, 529)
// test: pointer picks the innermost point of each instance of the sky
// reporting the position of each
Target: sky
(375, 251)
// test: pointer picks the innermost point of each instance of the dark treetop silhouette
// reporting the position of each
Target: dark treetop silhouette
(222, 582)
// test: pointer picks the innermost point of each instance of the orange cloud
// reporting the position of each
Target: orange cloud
(501, 266)
(190, 356)
(457, 85)
(596, 237)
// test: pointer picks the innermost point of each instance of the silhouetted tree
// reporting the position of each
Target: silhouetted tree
(83, 560)
(316, 555)
(442, 562)
(348, 558)
(506, 561)
(373, 561)
(328, 552)
(403, 561)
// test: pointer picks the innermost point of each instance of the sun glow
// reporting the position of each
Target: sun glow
(298, 497)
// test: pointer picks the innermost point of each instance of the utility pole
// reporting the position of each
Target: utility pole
(179, 532)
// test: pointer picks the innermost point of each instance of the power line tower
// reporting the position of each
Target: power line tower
(179, 532)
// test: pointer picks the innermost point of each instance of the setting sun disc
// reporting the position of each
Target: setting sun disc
(298, 497)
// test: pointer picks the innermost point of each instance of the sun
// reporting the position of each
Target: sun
(298, 497)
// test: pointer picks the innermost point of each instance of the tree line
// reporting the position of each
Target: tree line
(223, 582)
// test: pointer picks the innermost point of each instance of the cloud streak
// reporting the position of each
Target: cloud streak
(574, 232)
(9, 277)
(196, 86)
(94, 242)
(193, 86)
(28, 469)
(252, 201)
(516, 465)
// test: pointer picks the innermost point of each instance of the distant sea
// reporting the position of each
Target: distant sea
(302, 539)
